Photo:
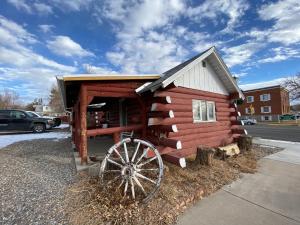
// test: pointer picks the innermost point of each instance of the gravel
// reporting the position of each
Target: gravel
(33, 179)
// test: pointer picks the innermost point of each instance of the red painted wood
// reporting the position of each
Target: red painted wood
(167, 107)
(112, 94)
(83, 125)
(199, 130)
(187, 97)
(197, 92)
(159, 114)
(112, 130)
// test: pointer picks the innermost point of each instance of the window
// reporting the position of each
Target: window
(17, 114)
(266, 118)
(203, 111)
(4, 114)
(265, 97)
(248, 111)
(250, 99)
(265, 109)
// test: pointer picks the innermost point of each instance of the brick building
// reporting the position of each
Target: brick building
(265, 104)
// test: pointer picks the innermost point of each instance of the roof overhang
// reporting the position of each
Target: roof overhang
(77, 79)
(213, 55)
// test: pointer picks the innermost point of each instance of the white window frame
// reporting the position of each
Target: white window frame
(263, 111)
(252, 99)
(263, 118)
(199, 105)
(265, 100)
(247, 110)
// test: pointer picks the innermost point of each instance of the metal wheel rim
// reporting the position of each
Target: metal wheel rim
(131, 173)
(38, 128)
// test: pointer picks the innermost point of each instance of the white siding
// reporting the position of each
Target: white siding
(202, 78)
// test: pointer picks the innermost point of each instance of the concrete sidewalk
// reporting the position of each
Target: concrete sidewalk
(269, 197)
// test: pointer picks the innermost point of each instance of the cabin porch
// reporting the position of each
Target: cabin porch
(102, 114)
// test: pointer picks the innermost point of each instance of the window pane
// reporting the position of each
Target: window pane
(196, 110)
(211, 110)
(203, 111)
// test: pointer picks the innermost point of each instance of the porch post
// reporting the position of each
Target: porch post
(83, 125)
(143, 116)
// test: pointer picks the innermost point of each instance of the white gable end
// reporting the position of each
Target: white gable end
(202, 78)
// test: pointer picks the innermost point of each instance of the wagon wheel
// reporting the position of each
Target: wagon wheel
(127, 169)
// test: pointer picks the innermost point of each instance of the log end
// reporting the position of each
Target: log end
(182, 162)
(179, 145)
(174, 128)
(168, 99)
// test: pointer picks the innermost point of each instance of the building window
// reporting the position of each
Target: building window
(203, 111)
(265, 97)
(248, 110)
(265, 109)
(250, 99)
(266, 118)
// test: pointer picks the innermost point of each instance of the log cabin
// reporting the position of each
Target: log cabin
(187, 106)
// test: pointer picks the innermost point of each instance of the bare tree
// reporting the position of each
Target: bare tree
(9, 99)
(293, 85)
(55, 101)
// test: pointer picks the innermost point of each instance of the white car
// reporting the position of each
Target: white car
(249, 121)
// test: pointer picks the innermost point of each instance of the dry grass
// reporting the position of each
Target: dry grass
(88, 203)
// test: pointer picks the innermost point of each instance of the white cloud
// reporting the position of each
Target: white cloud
(233, 9)
(21, 5)
(71, 5)
(286, 17)
(46, 28)
(31, 72)
(281, 54)
(97, 69)
(42, 8)
(65, 46)
(241, 53)
(140, 47)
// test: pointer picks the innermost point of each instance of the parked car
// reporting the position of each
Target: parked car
(249, 121)
(19, 120)
(287, 117)
(56, 120)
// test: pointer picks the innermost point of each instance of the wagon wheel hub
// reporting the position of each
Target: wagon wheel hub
(129, 171)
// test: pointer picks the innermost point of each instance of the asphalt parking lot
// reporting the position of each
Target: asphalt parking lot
(275, 132)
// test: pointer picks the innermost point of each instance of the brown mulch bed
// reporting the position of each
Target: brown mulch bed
(88, 203)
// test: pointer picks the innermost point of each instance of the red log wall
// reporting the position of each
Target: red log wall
(190, 134)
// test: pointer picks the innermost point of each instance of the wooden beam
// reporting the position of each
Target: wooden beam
(165, 128)
(112, 94)
(175, 160)
(111, 130)
(166, 107)
(83, 125)
(161, 114)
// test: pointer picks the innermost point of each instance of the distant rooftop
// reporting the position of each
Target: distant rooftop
(262, 88)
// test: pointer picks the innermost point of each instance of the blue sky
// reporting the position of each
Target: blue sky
(258, 40)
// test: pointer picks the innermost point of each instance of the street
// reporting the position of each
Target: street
(275, 132)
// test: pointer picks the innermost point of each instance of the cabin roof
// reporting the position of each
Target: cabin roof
(170, 76)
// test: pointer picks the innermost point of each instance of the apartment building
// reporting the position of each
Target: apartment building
(265, 104)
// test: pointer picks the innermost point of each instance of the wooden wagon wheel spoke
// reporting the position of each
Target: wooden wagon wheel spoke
(135, 152)
(146, 162)
(145, 178)
(139, 185)
(132, 188)
(112, 171)
(131, 166)
(115, 163)
(118, 154)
